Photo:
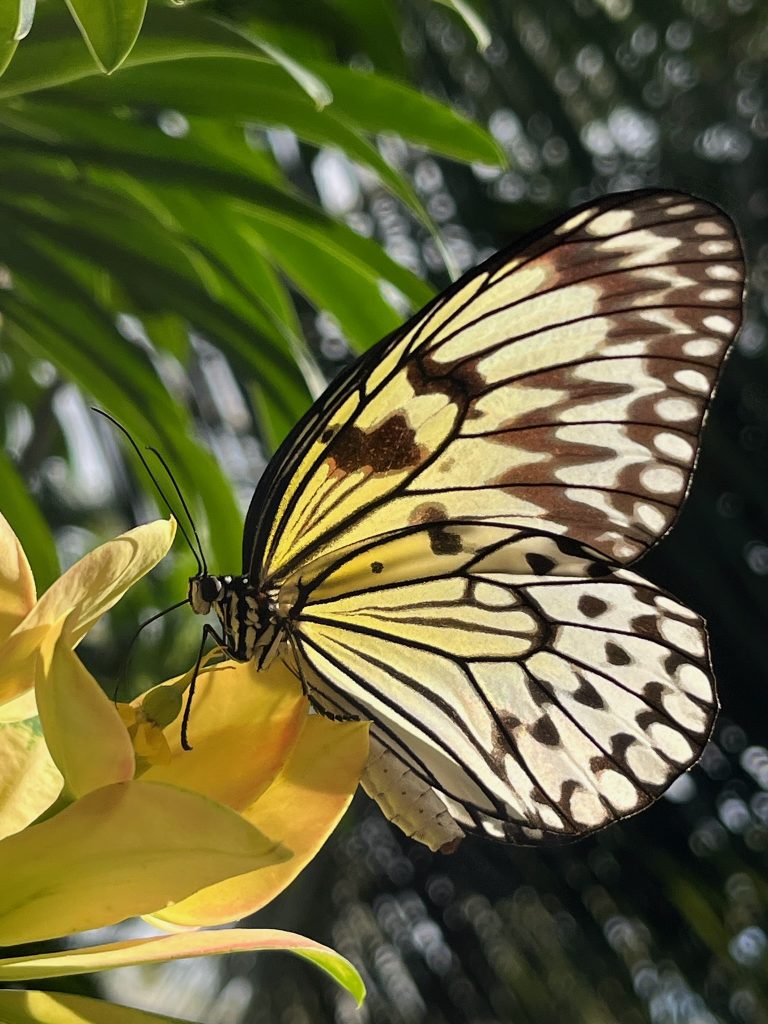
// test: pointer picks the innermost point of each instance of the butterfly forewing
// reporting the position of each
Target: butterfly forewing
(445, 531)
(563, 381)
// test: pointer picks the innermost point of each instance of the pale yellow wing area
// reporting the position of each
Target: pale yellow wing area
(563, 382)
(528, 707)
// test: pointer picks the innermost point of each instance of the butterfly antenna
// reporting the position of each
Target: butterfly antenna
(201, 568)
(134, 638)
(177, 489)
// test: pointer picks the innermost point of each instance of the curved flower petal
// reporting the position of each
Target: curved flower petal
(120, 851)
(61, 1008)
(80, 596)
(20, 708)
(303, 805)
(83, 730)
(17, 585)
(175, 947)
(98, 581)
(30, 781)
(17, 662)
(242, 728)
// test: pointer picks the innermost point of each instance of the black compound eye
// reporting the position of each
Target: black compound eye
(210, 588)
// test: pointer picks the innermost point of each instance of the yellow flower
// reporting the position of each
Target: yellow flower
(258, 751)
(142, 827)
(68, 699)
(75, 601)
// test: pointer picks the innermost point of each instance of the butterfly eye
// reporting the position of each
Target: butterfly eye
(210, 588)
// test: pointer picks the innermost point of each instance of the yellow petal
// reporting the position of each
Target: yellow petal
(17, 663)
(175, 947)
(98, 581)
(30, 781)
(17, 585)
(19, 708)
(79, 597)
(82, 727)
(120, 851)
(242, 728)
(59, 1008)
(302, 807)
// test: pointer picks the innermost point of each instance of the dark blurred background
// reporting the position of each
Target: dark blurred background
(661, 919)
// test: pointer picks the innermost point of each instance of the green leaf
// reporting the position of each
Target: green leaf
(180, 947)
(472, 20)
(377, 34)
(171, 58)
(329, 278)
(109, 27)
(15, 19)
(7, 51)
(15, 22)
(55, 54)
(205, 145)
(313, 86)
(375, 103)
(254, 90)
(26, 10)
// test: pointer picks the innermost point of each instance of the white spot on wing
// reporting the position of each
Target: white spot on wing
(674, 446)
(710, 227)
(662, 479)
(651, 517)
(719, 324)
(683, 711)
(676, 410)
(698, 348)
(694, 380)
(585, 807)
(683, 635)
(716, 247)
(673, 743)
(723, 272)
(611, 223)
(718, 295)
(574, 222)
(646, 765)
(694, 681)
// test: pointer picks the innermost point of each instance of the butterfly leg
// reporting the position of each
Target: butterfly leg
(208, 630)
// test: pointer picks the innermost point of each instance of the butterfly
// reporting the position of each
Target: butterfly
(441, 544)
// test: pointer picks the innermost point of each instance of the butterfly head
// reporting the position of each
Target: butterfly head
(205, 591)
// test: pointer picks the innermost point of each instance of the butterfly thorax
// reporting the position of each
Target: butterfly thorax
(250, 625)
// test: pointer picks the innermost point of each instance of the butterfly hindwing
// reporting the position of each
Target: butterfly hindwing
(533, 706)
(446, 532)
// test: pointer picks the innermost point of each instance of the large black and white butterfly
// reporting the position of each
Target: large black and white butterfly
(440, 545)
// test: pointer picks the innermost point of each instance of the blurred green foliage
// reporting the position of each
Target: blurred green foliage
(198, 241)
(151, 235)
